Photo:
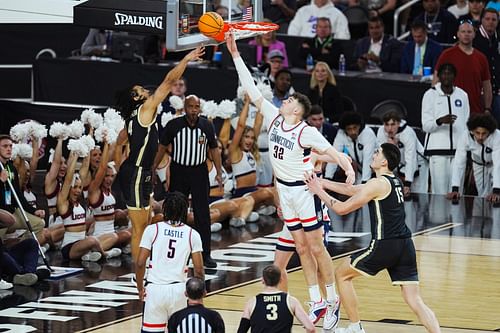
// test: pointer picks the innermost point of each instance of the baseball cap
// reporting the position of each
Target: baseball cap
(275, 54)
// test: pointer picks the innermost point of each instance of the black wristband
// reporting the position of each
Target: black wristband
(496, 190)
(437, 122)
(454, 188)
(244, 325)
(407, 183)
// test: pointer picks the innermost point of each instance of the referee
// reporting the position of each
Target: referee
(187, 139)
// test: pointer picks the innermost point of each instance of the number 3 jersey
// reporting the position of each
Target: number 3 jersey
(170, 247)
(271, 313)
(290, 146)
(387, 214)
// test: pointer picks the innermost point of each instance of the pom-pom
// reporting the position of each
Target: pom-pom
(226, 109)
(20, 132)
(209, 109)
(265, 90)
(113, 124)
(76, 129)
(240, 93)
(22, 150)
(176, 102)
(37, 130)
(92, 118)
(165, 118)
(159, 109)
(59, 130)
(81, 146)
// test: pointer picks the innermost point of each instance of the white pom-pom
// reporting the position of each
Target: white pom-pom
(240, 93)
(81, 146)
(159, 109)
(94, 119)
(113, 122)
(76, 129)
(100, 133)
(265, 90)
(226, 109)
(165, 118)
(59, 130)
(23, 150)
(209, 109)
(176, 102)
(20, 132)
(37, 130)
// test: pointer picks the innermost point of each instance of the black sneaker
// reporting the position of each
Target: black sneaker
(42, 273)
(208, 262)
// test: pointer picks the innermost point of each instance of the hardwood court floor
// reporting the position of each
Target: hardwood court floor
(458, 282)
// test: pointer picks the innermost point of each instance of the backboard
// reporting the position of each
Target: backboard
(182, 19)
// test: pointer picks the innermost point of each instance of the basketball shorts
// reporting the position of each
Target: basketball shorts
(297, 206)
(161, 302)
(396, 255)
(136, 186)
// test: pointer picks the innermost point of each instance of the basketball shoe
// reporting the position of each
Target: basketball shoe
(317, 310)
(332, 315)
(352, 328)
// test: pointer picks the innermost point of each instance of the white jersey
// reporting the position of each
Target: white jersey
(30, 198)
(290, 147)
(170, 248)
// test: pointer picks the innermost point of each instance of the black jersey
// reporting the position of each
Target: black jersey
(143, 141)
(272, 314)
(387, 215)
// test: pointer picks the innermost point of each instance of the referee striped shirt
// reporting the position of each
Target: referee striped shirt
(189, 144)
(196, 318)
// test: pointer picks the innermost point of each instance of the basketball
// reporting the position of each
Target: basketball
(211, 24)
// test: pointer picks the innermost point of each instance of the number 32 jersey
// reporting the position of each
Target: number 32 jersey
(290, 146)
(170, 247)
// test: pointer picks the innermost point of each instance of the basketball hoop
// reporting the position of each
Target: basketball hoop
(246, 29)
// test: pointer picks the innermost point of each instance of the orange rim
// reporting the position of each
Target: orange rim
(255, 26)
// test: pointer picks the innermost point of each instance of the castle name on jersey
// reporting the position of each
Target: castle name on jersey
(274, 137)
(272, 298)
(173, 233)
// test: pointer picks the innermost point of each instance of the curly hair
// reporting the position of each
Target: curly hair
(482, 120)
(175, 207)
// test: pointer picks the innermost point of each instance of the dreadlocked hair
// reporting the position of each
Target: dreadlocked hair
(125, 102)
(175, 207)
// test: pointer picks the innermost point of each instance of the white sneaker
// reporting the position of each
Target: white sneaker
(237, 222)
(112, 253)
(45, 248)
(27, 279)
(215, 227)
(353, 328)
(266, 210)
(4, 285)
(127, 249)
(332, 315)
(253, 217)
(317, 310)
(92, 256)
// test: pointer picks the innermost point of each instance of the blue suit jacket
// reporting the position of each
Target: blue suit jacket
(432, 52)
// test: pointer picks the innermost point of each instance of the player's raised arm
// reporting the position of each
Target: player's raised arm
(243, 72)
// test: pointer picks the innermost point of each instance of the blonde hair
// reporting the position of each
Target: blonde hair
(331, 79)
(254, 149)
(258, 38)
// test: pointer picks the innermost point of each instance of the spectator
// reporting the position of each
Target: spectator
(413, 166)
(383, 9)
(274, 65)
(459, 9)
(266, 43)
(97, 43)
(487, 41)
(356, 140)
(7, 199)
(317, 119)
(282, 86)
(321, 47)
(324, 92)
(284, 307)
(195, 317)
(304, 22)
(420, 51)
(474, 15)
(223, 11)
(441, 24)
(280, 12)
(377, 51)
(445, 110)
(472, 69)
(483, 143)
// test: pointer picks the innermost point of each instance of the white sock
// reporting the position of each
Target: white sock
(314, 293)
(331, 294)
(356, 326)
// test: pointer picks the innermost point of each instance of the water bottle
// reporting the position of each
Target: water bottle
(309, 63)
(342, 64)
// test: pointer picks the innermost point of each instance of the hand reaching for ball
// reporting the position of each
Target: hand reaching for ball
(231, 44)
(196, 54)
